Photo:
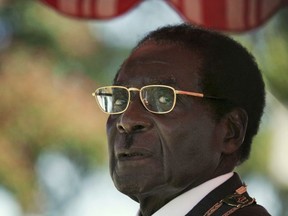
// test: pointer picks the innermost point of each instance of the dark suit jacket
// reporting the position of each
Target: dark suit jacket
(219, 193)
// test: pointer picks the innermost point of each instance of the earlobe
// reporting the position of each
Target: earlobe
(236, 124)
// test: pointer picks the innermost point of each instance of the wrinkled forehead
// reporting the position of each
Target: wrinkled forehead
(161, 64)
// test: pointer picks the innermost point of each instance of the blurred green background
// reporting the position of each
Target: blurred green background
(53, 155)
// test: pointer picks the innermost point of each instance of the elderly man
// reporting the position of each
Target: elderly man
(184, 108)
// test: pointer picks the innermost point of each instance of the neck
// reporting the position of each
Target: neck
(150, 203)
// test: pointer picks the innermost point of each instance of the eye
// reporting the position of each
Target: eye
(164, 100)
(119, 102)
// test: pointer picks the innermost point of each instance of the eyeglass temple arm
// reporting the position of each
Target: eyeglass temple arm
(195, 94)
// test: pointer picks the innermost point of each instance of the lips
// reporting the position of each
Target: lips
(139, 154)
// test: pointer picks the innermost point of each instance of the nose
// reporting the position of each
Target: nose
(134, 119)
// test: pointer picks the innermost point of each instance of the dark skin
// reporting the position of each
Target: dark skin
(154, 158)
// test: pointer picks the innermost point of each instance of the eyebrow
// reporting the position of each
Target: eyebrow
(161, 80)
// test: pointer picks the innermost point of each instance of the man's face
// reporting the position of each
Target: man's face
(170, 153)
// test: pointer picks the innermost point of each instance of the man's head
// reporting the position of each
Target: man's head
(159, 156)
(228, 70)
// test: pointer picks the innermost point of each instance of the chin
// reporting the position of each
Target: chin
(135, 185)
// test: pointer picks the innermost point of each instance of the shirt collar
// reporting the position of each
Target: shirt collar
(182, 204)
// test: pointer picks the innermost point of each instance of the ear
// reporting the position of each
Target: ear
(235, 130)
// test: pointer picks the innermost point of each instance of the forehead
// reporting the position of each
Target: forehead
(161, 64)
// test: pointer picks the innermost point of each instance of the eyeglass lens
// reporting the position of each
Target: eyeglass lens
(158, 99)
(112, 99)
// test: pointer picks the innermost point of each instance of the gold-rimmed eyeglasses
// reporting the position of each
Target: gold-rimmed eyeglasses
(159, 99)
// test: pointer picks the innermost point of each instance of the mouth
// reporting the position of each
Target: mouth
(129, 155)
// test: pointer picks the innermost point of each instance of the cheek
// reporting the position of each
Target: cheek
(189, 152)
(140, 178)
(111, 132)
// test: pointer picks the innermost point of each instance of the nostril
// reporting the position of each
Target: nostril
(138, 128)
(120, 128)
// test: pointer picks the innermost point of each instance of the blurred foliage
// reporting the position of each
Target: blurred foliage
(67, 42)
(47, 75)
(40, 112)
(259, 153)
(269, 45)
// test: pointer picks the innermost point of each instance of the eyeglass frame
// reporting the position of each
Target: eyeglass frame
(175, 91)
